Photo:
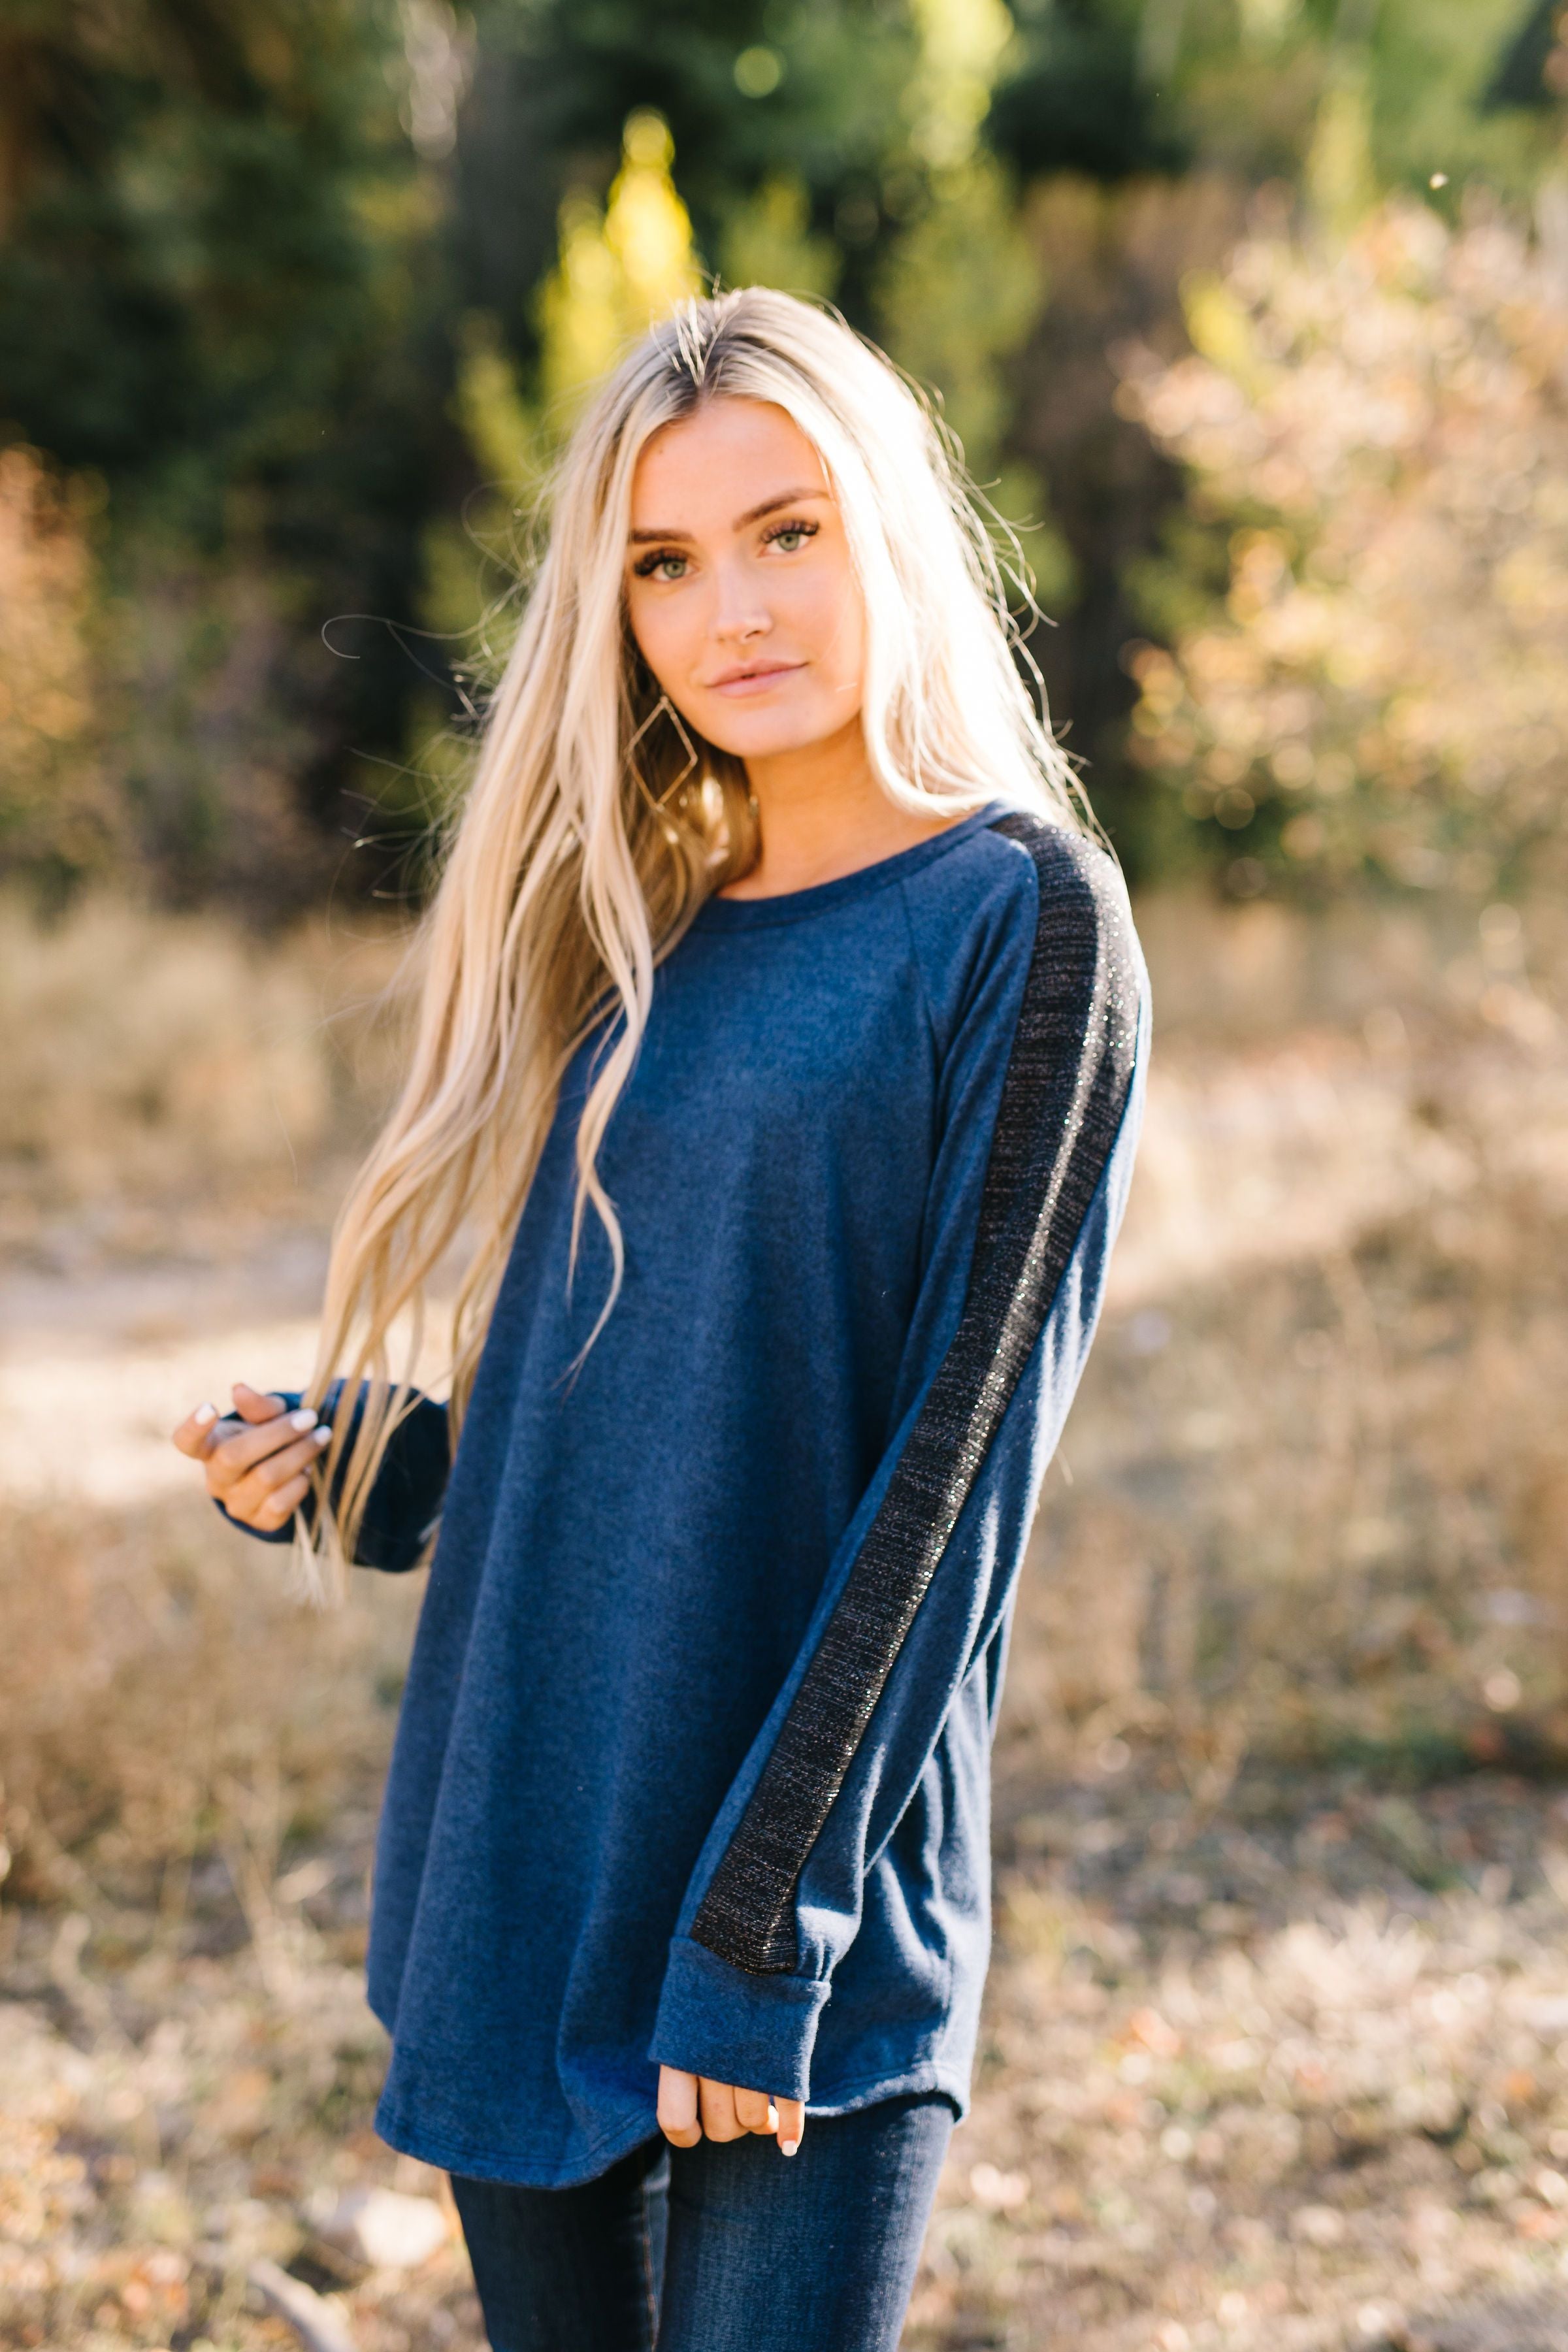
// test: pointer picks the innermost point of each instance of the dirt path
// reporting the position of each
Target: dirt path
(1255, 1159)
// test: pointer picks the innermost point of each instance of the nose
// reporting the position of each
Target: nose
(738, 617)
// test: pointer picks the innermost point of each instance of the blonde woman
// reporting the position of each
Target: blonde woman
(781, 1052)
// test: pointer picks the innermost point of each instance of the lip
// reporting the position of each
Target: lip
(755, 678)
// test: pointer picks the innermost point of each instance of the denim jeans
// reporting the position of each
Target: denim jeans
(724, 2247)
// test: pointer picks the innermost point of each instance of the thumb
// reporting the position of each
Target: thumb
(252, 1405)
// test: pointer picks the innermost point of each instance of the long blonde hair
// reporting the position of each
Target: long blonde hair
(565, 884)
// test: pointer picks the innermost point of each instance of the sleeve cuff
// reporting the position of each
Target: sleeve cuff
(284, 1534)
(756, 2031)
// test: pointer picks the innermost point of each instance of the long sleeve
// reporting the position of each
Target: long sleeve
(1017, 1250)
(405, 1499)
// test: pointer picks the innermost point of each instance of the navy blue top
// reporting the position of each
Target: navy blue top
(692, 1764)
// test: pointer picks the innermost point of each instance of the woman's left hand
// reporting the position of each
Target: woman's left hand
(691, 2108)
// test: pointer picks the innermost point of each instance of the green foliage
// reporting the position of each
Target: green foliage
(296, 296)
(1365, 670)
(214, 284)
(1435, 104)
(618, 271)
(56, 818)
(1117, 87)
(1341, 177)
(803, 94)
(961, 292)
(768, 241)
(213, 208)
(960, 289)
(1073, 94)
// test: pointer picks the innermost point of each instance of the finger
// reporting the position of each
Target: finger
(717, 2104)
(281, 1503)
(249, 1484)
(194, 1432)
(231, 1457)
(280, 1469)
(678, 2107)
(753, 2109)
(253, 1492)
(792, 2124)
(255, 1404)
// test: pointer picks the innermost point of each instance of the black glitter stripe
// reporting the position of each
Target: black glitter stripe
(1066, 1089)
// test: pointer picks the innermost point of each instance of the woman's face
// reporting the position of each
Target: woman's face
(739, 589)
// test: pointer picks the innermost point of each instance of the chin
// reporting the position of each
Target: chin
(762, 735)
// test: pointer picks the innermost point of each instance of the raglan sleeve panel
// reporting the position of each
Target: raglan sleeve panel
(925, 1569)
(404, 1501)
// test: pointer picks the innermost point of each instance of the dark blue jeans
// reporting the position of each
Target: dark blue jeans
(717, 2248)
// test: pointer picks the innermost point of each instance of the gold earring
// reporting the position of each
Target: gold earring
(659, 803)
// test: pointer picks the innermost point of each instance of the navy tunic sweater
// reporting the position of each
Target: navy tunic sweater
(693, 1760)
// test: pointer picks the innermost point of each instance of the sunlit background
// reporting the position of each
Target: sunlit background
(1252, 317)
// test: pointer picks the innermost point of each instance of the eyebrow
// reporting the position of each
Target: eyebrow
(753, 514)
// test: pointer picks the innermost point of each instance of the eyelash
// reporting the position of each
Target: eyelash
(791, 531)
(647, 565)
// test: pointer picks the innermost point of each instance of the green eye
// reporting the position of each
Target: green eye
(789, 538)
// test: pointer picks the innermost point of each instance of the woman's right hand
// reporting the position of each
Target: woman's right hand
(259, 1459)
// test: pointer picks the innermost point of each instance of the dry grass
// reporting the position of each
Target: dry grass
(1316, 1474)
(163, 1701)
(1277, 2037)
(190, 1768)
(150, 1062)
(1308, 2118)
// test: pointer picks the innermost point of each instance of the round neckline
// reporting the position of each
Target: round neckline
(718, 914)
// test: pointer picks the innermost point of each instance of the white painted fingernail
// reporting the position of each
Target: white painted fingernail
(788, 2146)
(203, 1414)
(324, 1437)
(304, 1419)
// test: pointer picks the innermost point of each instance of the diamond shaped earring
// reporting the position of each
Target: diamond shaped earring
(659, 803)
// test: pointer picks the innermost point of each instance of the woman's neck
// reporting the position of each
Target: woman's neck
(822, 813)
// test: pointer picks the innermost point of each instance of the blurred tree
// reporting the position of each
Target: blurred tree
(1114, 259)
(1340, 176)
(1237, 96)
(1437, 103)
(786, 115)
(1365, 610)
(1527, 72)
(57, 820)
(1115, 88)
(963, 287)
(618, 271)
(1075, 95)
(768, 240)
(207, 211)
(270, 298)
(215, 274)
